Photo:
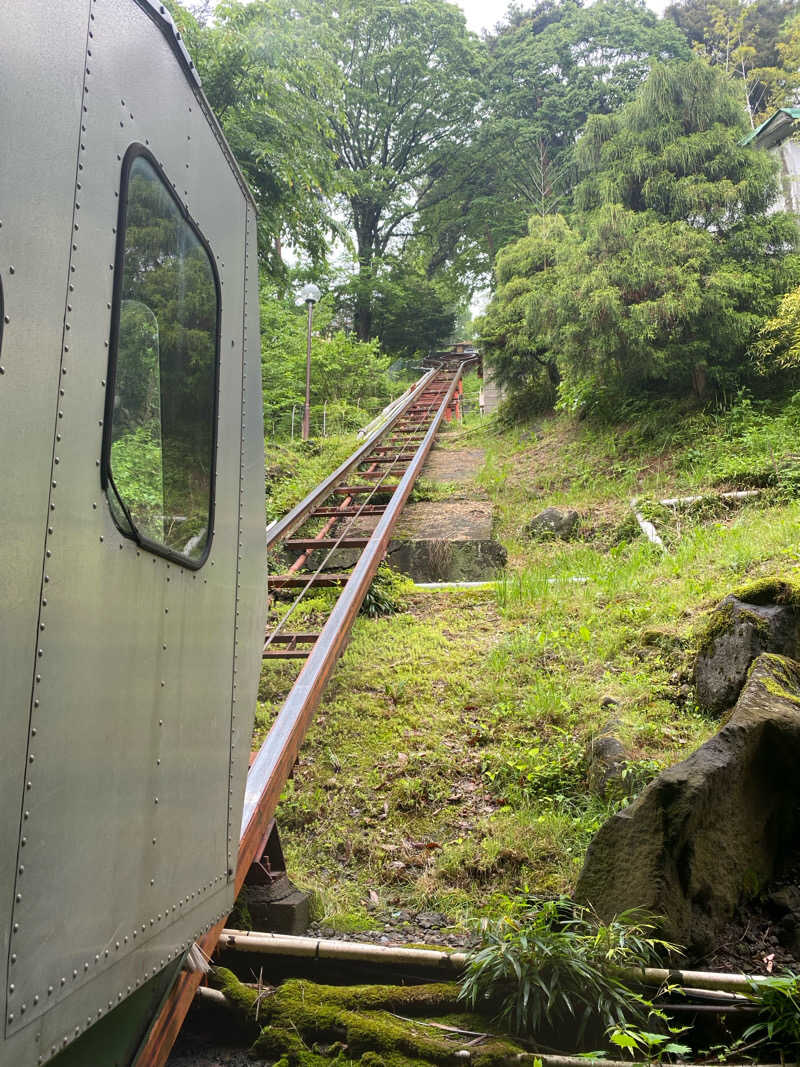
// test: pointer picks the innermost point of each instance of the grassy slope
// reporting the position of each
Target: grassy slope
(447, 766)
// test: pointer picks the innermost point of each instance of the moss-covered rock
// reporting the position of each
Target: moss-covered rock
(709, 832)
(775, 589)
(761, 617)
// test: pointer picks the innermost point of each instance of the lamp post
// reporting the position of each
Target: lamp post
(309, 295)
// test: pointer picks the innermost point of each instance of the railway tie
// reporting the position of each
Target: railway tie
(377, 470)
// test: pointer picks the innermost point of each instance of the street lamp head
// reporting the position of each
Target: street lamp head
(309, 294)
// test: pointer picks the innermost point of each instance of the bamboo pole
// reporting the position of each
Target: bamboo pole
(443, 960)
(331, 949)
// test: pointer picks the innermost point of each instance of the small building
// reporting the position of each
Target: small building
(780, 136)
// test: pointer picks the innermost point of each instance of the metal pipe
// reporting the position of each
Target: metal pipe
(307, 408)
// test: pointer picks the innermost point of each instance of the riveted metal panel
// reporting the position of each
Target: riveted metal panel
(128, 775)
(251, 604)
(40, 90)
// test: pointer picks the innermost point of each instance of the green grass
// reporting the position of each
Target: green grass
(447, 768)
(294, 468)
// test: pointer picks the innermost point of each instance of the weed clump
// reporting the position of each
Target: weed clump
(386, 595)
(778, 1024)
(552, 965)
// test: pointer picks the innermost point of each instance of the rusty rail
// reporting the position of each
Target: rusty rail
(274, 761)
(297, 516)
(283, 741)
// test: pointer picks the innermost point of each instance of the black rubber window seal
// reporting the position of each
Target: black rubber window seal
(134, 152)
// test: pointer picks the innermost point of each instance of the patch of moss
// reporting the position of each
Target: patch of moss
(783, 680)
(410, 1000)
(722, 619)
(309, 1025)
(240, 918)
(426, 489)
(279, 1044)
(242, 998)
(771, 590)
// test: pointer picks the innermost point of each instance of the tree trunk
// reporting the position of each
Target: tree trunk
(362, 315)
(366, 226)
(699, 380)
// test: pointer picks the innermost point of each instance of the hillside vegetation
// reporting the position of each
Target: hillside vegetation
(583, 164)
(448, 768)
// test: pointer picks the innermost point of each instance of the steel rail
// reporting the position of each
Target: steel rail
(283, 527)
(275, 758)
(318, 542)
(271, 768)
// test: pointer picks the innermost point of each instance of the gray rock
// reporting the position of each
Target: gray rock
(788, 931)
(552, 523)
(785, 901)
(708, 833)
(606, 759)
(429, 920)
(736, 634)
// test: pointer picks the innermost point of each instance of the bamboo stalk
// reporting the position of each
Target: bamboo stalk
(442, 960)
(331, 949)
(725, 981)
(212, 996)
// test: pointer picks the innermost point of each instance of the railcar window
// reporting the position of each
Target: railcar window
(158, 456)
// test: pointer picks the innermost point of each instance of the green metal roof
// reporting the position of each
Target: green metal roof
(774, 130)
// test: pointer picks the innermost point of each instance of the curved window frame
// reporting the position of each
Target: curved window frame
(136, 151)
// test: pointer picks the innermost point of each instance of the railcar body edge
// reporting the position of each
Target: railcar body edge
(132, 553)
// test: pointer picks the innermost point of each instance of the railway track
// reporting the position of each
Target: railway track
(374, 483)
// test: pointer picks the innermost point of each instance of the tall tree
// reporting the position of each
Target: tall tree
(412, 313)
(549, 69)
(265, 74)
(747, 39)
(672, 260)
(406, 96)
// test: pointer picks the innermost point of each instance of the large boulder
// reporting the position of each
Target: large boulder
(737, 632)
(709, 832)
(552, 523)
